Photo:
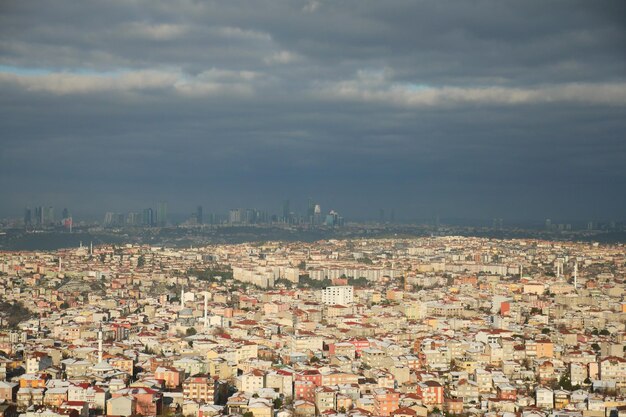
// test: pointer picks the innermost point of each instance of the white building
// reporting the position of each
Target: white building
(544, 398)
(343, 295)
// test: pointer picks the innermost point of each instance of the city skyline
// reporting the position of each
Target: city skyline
(41, 215)
(482, 110)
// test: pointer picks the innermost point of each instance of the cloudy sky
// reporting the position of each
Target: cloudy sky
(473, 109)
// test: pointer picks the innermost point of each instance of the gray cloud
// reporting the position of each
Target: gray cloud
(424, 106)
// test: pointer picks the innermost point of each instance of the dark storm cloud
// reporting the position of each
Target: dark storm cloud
(477, 109)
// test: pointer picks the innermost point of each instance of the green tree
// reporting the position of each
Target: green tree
(191, 331)
(141, 261)
(565, 382)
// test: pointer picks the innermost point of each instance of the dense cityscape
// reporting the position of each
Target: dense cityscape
(360, 327)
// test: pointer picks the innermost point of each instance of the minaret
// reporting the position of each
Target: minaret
(91, 248)
(206, 310)
(521, 271)
(100, 345)
(182, 297)
(59, 264)
(575, 275)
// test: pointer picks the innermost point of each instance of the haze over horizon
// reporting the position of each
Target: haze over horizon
(475, 109)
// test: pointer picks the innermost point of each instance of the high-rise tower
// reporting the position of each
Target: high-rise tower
(199, 216)
(161, 214)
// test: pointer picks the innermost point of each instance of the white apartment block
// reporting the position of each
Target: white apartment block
(343, 295)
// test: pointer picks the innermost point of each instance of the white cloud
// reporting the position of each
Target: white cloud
(158, 32)
(239, 33)
(282, 57)
(311, 6)
(213, 81)
(376, 88)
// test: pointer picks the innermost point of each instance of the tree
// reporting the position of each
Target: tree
(191, 331)
(545, 330)
(278, 404)
(565, 382)
(605, 332)
(595, 347)
(141, 261)
(14, 313)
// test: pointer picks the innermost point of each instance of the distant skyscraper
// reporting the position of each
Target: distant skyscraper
(133, 219)
(109, 218)
(286, 211)
(317, 214)
(148, 217)
(28, 217)
(235, 216)
(199, 217)
(48, 215)
(161, 214)
(310, 210)
(66, 213)
(548, 224)
(39, 215)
